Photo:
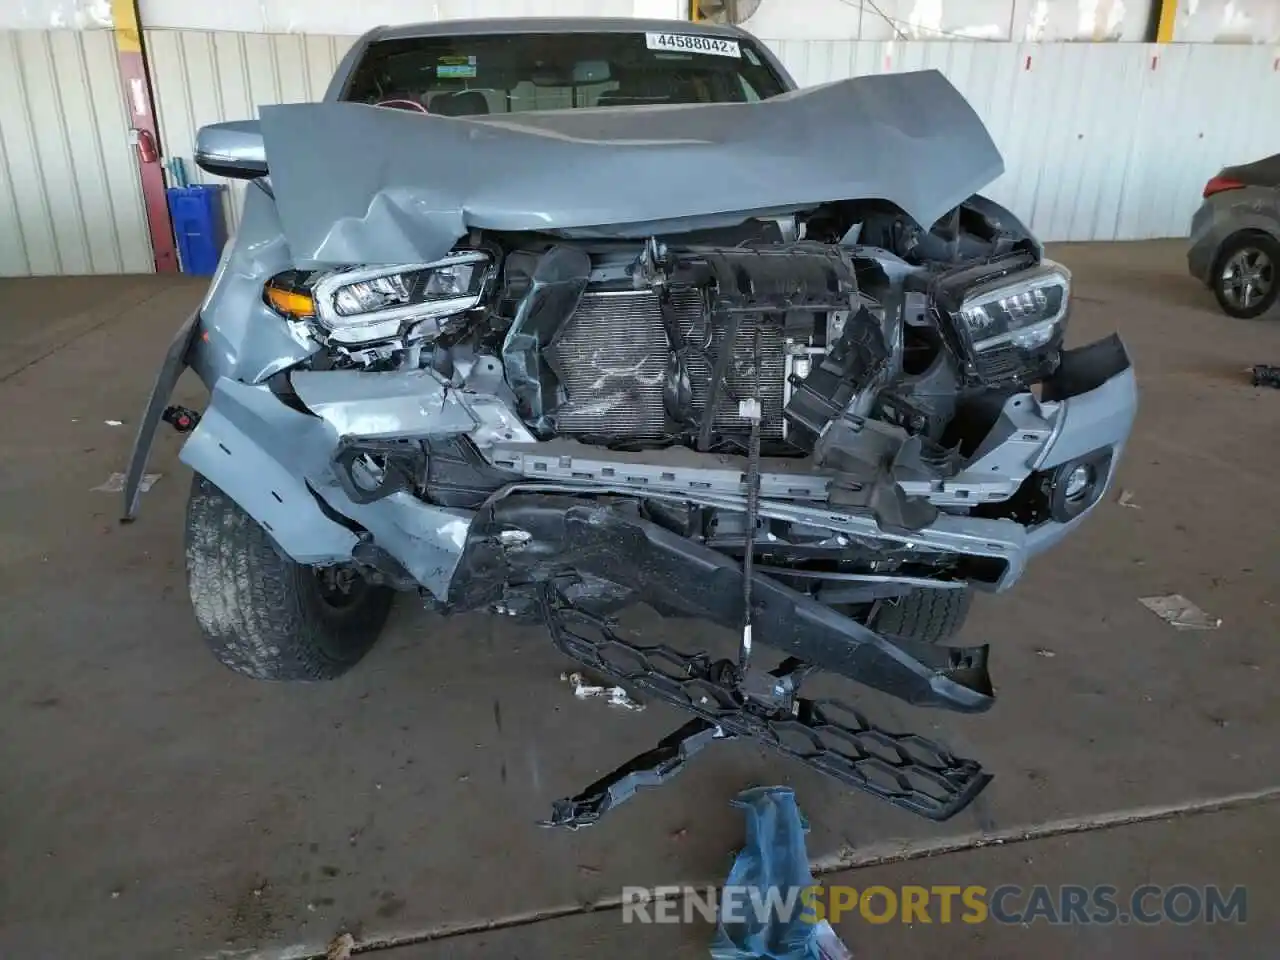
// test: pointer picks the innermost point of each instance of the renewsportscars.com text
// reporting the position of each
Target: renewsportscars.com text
(1067, 904)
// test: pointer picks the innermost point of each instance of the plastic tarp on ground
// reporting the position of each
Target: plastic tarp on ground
(772, 869)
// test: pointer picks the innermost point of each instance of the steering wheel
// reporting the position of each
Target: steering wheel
(401, 104)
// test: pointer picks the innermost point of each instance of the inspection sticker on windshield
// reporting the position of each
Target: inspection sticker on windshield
(693, 43)
(456, 67)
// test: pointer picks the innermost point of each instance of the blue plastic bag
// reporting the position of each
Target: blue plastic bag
(761, 910)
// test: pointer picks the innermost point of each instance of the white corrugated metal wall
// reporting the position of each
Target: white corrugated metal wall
(1102, 141)
(202, 77)
(70, 201)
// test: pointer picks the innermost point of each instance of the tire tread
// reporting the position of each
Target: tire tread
(254, 605)
(930, 616)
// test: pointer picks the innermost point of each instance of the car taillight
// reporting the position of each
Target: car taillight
(1219, 184)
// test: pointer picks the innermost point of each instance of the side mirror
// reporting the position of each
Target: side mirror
(234, 149)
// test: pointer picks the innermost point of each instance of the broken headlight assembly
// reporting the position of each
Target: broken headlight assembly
(1007, 327)
(369, 304)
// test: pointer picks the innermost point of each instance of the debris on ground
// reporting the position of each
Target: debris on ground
(1266, 375)
(114, 423)
(340, 947)
(616, 696)
(825, 944)
(1045, 652)
(771, 871)
(1126, 500)
(115, 483)
(1180, 612)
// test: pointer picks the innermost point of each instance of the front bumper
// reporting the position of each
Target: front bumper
(1098, 396)
(277, 462)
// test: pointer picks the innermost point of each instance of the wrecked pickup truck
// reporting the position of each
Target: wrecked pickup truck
(553, 318)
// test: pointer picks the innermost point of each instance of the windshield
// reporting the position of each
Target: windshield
(480, 75)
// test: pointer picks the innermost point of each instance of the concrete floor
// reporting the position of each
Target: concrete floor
(152, 804)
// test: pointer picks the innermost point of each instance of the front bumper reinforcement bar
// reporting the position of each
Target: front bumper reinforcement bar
(609, 539)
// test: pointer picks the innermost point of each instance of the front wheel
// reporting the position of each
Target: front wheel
(1244, 281)
(262, 614)
(930, 616)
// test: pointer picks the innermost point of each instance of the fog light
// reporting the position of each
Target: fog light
(1076, 485)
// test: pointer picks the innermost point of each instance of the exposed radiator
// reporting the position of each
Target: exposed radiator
(612, 358)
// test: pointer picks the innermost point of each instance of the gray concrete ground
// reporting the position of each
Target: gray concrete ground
(153, 804)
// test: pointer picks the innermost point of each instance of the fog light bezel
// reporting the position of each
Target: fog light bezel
(1064, 509)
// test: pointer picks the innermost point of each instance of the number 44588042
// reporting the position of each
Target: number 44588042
(693, 43)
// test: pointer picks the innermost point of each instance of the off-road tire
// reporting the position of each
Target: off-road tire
(262, 614)
(930, 616)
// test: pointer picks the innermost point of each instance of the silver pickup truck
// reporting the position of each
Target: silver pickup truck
(550, 318)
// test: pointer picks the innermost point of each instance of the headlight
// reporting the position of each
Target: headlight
(378, 303)
(1025, 313)
(1006, 320)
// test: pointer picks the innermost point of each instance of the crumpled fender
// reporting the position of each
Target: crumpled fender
(259, 452)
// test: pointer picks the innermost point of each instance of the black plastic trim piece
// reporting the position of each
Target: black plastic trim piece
(608, 538)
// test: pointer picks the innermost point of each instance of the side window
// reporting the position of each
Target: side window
(748, 91)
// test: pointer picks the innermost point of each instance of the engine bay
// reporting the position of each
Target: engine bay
(633, 346)
(785, 359)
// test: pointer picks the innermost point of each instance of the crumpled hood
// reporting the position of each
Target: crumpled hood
(362, 184)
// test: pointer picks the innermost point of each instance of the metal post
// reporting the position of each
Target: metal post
(1166, 13)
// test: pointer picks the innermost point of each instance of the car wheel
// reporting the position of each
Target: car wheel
(1245, 278)
(930, 616)
(262, 614)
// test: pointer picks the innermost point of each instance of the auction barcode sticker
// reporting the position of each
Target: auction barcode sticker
(693, 43)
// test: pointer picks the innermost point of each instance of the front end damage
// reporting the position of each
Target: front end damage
(775, 429)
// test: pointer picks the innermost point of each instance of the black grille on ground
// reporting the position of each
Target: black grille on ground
(612, 358)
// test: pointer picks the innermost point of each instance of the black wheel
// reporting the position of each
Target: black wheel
(930, 616)
(262, 614)
(1244, 280)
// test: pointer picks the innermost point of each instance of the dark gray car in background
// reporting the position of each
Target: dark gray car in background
(1235, 237)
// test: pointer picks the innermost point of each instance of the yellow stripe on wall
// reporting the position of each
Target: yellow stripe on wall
(1164, 25)
(124, 17)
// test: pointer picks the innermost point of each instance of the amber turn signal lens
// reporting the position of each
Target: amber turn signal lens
(290, 303)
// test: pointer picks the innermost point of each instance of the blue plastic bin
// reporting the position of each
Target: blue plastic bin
(198, 226)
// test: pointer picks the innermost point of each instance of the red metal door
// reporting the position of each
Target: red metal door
(143, 131)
